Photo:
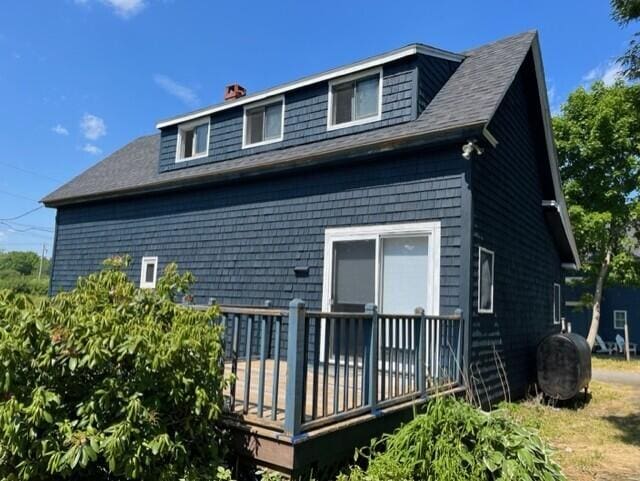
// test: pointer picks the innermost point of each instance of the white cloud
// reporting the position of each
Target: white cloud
(126, 8)
(188, 96)
(608, 73)
(91, 149)
(60, 130)
(123, 8)
(612, 73)
(551, 93)
(93, 127)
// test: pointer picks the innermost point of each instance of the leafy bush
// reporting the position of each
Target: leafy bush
(109, 381)
(17, 282)
(25, 263)
(453, 441)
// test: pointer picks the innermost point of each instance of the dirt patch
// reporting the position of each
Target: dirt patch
(597, 437)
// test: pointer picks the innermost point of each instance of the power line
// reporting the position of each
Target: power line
(19, 196)
(26, 229)
(2, 244)
(23, 215)
(32, 226)
(27, 171)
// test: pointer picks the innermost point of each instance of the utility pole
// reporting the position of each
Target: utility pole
(44, 250)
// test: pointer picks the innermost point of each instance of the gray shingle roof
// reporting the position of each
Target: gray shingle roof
(468, 100)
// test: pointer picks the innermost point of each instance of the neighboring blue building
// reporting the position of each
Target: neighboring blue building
(618, 304)
(416, 178)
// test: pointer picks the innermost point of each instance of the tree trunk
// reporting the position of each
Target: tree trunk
(597, 300)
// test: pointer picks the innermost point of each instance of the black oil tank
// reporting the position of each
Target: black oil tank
(563, 365)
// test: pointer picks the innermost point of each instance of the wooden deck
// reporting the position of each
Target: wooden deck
(312, 399)
(346, 392)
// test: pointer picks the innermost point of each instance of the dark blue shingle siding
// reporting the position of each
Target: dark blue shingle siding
(614, 298)
(433, 73)
(242, 240)
(305, 119)
(508, 219)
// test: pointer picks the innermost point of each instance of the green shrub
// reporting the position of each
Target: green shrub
(109, 381)
(453, 441)
(10, 279)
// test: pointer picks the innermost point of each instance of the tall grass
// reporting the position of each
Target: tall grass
(453, 441)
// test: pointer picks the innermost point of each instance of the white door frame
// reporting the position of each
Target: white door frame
(378, 232)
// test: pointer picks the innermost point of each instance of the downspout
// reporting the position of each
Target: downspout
(466, 266)
(53, 255)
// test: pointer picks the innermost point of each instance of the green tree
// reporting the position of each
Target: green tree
(625, 12)
(109, 381)
(598, 140)
(25, 263)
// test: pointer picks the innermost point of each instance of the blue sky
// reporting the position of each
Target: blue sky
(80, 78)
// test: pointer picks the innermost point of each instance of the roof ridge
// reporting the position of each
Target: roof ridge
(533, 33)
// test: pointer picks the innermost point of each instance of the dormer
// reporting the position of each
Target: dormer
(374, 93)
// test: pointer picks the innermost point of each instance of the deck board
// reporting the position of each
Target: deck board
(354, 396)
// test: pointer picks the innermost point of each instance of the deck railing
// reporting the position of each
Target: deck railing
(300, 369)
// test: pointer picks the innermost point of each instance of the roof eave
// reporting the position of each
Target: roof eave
(407, 141)
(551, 150)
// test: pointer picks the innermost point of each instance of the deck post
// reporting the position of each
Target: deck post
(422, 352)
(295, 368)
(459, 358)
(372, 374)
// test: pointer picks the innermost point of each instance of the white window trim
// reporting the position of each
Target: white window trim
(351, 78)
(557, 316)
(493, 277)
(145, 261)
(263, 103)
(190, 125)
(378, 232)
(626, 320)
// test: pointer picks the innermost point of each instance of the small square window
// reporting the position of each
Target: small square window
(193, 140)
(148, 272)
(557, 304)
(263, 124)
(354, 101)
(485, 281)
(619, 319)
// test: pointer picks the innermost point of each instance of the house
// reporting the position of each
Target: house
(416, 179)
(620, 305)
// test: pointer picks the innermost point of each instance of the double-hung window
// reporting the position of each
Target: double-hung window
(149, 272)
(193, 140)
(619, 319)
(263, 123)
(355, 100)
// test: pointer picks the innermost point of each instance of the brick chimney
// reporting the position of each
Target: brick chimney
(234, 91)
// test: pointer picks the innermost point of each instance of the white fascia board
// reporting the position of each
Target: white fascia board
(328, 75)
(551, 150)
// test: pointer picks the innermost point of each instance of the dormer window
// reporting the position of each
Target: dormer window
(355, 100)
(263, 123)
(193, 140)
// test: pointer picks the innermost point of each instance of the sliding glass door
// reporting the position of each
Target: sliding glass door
(353, 283)
(392, 266)
(404, 277)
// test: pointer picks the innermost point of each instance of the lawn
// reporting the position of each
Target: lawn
(615, 363)
(598, 439)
